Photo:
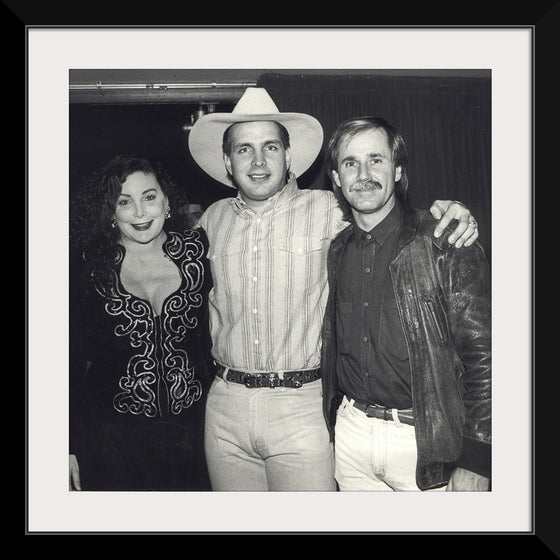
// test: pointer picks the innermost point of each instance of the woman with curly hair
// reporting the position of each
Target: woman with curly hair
(139, 338)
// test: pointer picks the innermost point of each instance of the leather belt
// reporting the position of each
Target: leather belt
(384, 413)
(292, 379)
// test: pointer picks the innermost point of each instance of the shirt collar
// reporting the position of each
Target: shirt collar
(383, 229)
(280, 198)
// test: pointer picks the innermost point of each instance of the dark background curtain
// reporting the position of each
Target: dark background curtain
(446, 124)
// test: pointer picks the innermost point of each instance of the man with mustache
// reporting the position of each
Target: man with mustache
(265, 429)
(406, 364)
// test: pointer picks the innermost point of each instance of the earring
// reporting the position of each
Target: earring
(167, 212)
(113, 222)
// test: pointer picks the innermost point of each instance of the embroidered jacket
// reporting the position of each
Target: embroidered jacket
(124, 360)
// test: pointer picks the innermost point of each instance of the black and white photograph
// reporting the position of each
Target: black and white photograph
(255, 268)
(278, 275)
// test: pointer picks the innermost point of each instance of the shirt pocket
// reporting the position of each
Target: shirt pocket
(228, 269)
(299, 245)
(391, 336)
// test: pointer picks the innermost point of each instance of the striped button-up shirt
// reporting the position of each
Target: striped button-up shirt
(270, 278)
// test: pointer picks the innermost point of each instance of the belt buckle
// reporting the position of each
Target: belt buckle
(250, 381)
(370, 411)
(377, 411)
(255, 380)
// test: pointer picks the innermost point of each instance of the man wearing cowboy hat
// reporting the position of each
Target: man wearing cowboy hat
(406, 364)
(265, 428)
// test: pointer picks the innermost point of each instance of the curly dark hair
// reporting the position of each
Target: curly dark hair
(93, 205)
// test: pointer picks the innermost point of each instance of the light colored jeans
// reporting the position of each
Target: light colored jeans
(267, 439)
(372, 454)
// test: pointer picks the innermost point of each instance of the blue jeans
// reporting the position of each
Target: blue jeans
(373, 454)
(267, 439)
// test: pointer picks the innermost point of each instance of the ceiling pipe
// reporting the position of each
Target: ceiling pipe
(176, 92)
(100, 86)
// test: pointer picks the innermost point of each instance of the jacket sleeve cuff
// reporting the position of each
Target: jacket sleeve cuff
(476, 457)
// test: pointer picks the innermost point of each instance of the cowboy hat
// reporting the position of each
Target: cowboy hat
(205, 137)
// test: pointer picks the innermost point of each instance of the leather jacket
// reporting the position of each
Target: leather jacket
(443, 298)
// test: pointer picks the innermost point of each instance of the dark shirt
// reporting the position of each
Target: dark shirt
(372, 363)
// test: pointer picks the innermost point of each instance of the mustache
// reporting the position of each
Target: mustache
(367, 185)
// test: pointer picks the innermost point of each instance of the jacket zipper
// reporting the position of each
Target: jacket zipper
(432, 312)
(160, 384)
